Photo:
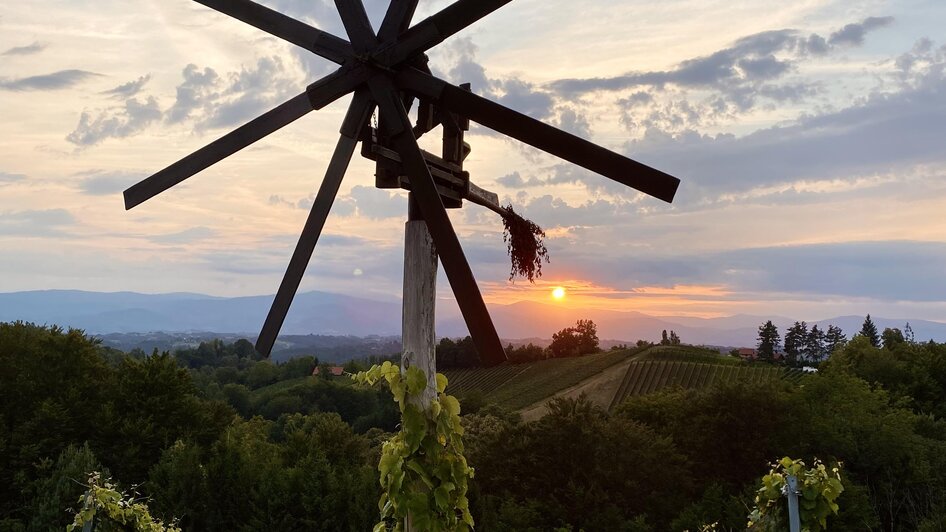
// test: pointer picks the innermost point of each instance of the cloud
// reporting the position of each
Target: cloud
(107, 183)
(512, 92)
(121, 122)
(36, 223)
(6, 177)
(194, 93)
(515, 180)
(574, 122)
(278, 201)
(342, 206)
(853, 34)
(62, 79)
(732, 80)
(186, 236)
(127, 90)
(214, 101)
(749, 59)
(890, 270)
(29, 49)
(377, 204)
(882, 132)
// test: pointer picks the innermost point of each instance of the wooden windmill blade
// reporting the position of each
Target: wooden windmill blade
(358, 112)
(396, 19)
(317, 95)
(357, 25)
(457, 268)
(435, 29)
(287, 28)
(541, 135)
(218, 150)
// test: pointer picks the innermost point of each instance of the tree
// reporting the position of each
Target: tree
(795, 338)
(457, 354)
(908, 335)
(814, 345)
(892, 337)
(869, 331)
(834, 339)
(588, 336)
(674, 339)
(663, 338)
(769, 341)
(574, 341)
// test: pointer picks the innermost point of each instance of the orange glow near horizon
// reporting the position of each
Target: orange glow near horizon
(698, 301)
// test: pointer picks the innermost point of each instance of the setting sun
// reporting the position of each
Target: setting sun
(558, 292)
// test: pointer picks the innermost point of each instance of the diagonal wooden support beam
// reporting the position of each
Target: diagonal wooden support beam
(458, 270)
(358, 112)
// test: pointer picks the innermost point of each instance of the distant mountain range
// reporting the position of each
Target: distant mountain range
(323, 313)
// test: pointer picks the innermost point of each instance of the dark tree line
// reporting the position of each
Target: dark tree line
(582, 339)
(666, 461)
(813, 346)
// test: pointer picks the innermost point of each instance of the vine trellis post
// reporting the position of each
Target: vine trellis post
(418, 336)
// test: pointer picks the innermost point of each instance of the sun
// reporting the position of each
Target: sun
(558, 292)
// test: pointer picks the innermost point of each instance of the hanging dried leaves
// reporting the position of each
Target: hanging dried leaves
(524, 243)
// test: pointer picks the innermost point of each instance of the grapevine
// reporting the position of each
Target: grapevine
(423, 472)
(110, 509)
(818, 490)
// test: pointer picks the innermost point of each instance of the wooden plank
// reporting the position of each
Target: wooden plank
(358, 112)
(435, 29)
(218, 150)
(483, 197)
(542, 136)
(287, 28)
(396, 19)
(357, 25)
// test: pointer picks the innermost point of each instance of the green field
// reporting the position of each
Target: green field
(690, 354)
(648, 376)
(520, 385)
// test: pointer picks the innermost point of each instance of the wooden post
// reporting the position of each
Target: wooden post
(794, 519)
(418, 340)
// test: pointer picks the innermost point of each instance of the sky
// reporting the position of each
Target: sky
(809, 137)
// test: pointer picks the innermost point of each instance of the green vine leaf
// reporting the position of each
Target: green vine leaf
(423, 473)
(818, 488)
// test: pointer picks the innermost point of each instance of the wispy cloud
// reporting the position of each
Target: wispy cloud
(35, 222)
(98, 183)
(121, 122)
(29, 49)
(127, 90)
(62, 79)
(6, 177)
(853, 34)
(187, 236)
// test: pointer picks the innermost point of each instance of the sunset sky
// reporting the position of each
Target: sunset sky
(810, 138)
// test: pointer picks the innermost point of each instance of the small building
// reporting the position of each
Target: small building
(335, 371)
(748, 353)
